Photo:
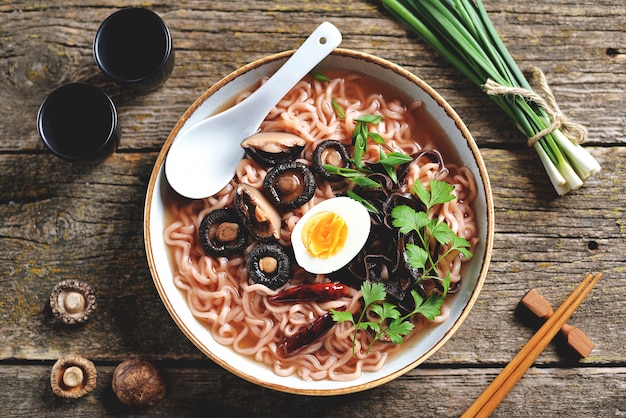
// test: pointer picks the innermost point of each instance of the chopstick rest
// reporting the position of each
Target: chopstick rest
(538, 306)
(497, 390)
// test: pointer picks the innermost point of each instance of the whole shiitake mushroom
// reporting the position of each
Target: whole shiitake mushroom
(138, 383)
(73, 376)
(73, 301)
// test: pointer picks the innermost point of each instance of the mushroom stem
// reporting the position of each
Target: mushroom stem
(74, 302)
(73, 376)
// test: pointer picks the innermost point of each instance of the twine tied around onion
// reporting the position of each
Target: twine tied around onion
(575, 132)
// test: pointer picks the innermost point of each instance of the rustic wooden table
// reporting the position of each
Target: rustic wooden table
(67, 221)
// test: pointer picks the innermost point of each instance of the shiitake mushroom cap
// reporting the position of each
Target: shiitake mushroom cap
(289, 185)
(271, 148)
(138, 383)
(275, 276)
(222, 233)
(330, 152)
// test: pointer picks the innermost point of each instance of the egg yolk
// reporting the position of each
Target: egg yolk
(324, 234)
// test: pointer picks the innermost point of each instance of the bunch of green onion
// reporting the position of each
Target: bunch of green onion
(461, 31)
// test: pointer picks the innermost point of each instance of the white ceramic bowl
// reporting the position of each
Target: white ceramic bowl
(417, 349)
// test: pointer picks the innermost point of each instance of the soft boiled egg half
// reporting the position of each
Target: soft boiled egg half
(330, 235)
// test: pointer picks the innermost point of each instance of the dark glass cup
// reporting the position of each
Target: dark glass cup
(133, 47)
(78, 122)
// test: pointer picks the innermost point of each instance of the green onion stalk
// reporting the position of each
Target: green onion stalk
(461, 31)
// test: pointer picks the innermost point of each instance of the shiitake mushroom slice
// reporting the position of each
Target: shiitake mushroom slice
(269, 265)
(271, 148)
(330, 152)
(256, 212)
(289, 185)
(221, 233)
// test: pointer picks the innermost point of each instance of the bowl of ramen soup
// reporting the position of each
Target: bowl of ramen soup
(351, 243)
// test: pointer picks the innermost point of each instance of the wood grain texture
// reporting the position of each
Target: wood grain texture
(67, 221)
(199, 391)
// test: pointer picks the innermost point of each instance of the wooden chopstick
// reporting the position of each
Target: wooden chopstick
(491, 397)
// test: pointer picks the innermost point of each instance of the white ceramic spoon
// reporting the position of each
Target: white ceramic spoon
(202, 159)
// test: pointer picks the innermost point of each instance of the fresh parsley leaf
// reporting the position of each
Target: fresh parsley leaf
(440, 192)
(403, 218)
(391, 323)
(341, 316)
(407, 219)
(431, 307)
(422, 192)
(373, 292)
(397, 329)
(386, 310)
(416, 256)
(441, 231)
(462, 245)
(374, 326)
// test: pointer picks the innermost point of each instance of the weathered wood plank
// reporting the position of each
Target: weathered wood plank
(200, 391)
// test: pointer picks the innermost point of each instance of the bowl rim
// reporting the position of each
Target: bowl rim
(489, 225)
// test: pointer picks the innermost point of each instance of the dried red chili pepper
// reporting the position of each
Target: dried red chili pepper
(312, 292)
(294, 343)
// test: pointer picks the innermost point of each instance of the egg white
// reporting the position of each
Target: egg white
(357, 220)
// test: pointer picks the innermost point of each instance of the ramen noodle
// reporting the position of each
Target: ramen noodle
(237, 312)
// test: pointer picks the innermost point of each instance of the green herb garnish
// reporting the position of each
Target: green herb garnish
(391, 161)
(391, 323)
(361, 135)
(320, 77)
(341, 114)
(462, 33)
(358, 175)
(408, 220)
(368, 205)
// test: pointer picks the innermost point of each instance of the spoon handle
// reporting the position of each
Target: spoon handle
(314, 49)
(186, 165)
